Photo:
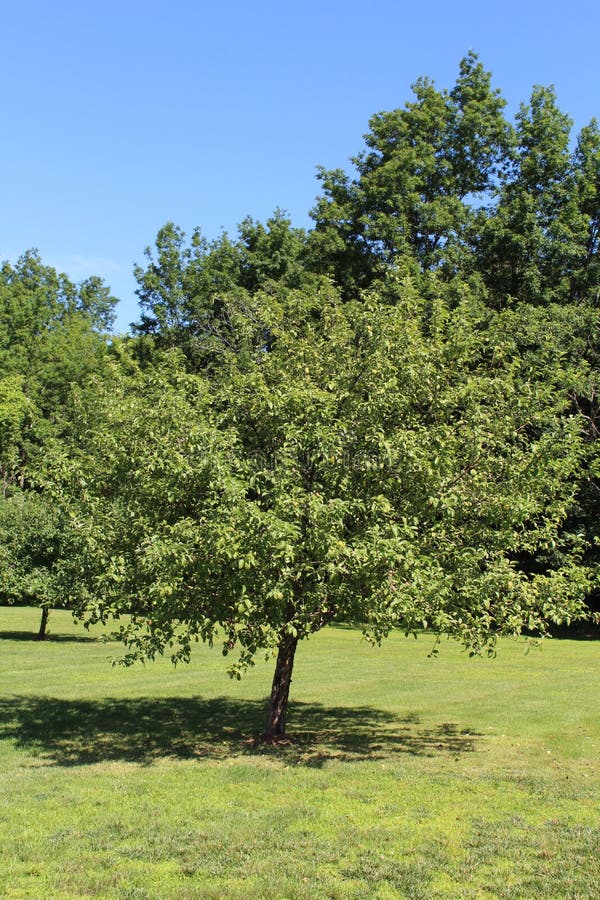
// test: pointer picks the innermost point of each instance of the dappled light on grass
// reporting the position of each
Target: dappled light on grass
(71, 732)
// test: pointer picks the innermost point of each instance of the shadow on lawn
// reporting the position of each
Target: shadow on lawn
(68, 732)
(49, 639)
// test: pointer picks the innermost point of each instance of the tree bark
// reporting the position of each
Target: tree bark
(280, 690)
(42, 633)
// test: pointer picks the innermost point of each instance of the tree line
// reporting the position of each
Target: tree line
(389, 419)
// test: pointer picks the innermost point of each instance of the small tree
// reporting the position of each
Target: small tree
(382, 466)
(32, 540)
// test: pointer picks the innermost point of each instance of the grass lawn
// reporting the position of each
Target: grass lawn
(410, 776)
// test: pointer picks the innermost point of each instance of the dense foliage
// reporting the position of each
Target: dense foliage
(51, 336)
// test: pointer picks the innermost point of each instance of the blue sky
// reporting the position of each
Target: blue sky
(119, 116)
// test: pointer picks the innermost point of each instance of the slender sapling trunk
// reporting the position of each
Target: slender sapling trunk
(43, 632)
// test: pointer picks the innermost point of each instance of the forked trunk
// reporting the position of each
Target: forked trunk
(280, 691)
(43, 632)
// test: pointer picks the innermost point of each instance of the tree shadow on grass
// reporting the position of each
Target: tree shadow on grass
(50, 638)
(144, 730)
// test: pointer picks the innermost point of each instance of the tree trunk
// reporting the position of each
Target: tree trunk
(42, 633)
(280, 691)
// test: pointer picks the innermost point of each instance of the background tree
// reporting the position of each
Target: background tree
(16, 414)
(586, 280)
(530, 239)
(181, 290)
(51, 336)
(424, 170)
(33, 538)
(447, 185)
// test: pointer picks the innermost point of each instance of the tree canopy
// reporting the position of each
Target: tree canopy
(384, 465)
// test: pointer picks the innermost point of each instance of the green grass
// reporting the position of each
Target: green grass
(410, 776)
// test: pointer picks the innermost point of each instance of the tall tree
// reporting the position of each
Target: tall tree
(425, 168)
(586, 278)
(531, 237)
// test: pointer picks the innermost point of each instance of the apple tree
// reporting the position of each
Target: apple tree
(389, 466)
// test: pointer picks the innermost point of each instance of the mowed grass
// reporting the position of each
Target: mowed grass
(409, 777)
